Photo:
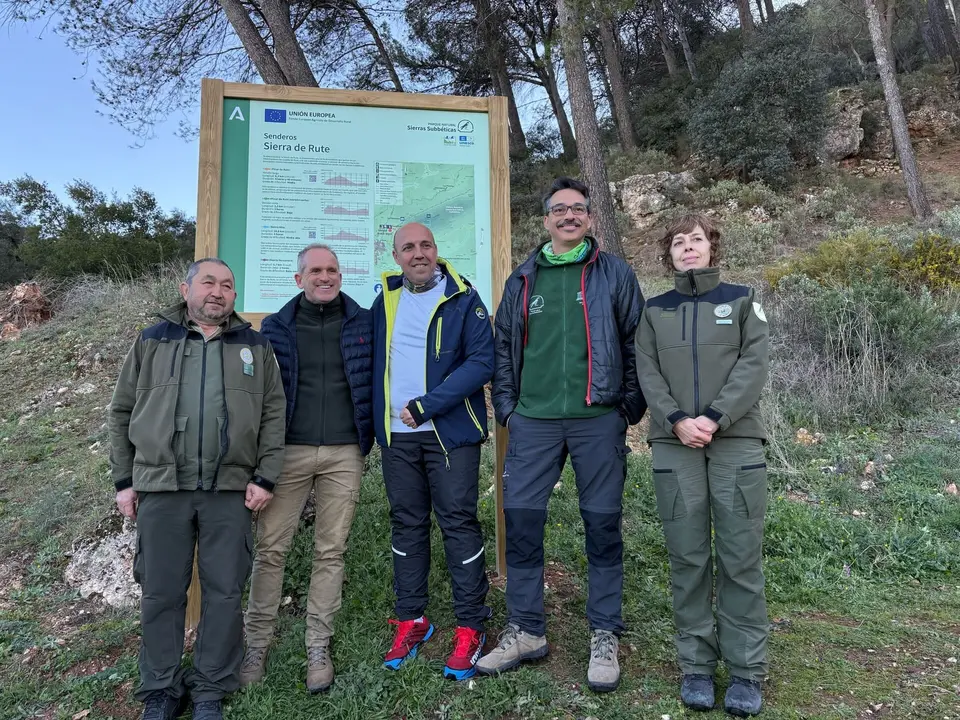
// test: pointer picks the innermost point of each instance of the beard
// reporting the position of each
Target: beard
(211, 314)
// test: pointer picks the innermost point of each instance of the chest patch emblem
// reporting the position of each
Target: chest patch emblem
(722, 311)
(246, 356)
(536, 304)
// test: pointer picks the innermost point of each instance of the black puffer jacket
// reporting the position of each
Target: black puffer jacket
(356, 346)
(612, 302)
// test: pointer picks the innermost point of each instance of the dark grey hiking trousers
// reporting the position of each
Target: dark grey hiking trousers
(535, 458)
(168, 526)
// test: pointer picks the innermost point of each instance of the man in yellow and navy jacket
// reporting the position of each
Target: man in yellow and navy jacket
(433, 353)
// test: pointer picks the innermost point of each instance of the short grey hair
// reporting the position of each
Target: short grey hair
(195, 267)
(314, 246)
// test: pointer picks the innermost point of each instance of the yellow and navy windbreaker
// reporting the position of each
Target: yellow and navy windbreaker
(459, 362)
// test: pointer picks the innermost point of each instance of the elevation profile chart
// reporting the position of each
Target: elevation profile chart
(349, 176)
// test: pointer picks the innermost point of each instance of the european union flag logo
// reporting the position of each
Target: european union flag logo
(271, 115)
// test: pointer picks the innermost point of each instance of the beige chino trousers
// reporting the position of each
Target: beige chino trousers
(334, 473)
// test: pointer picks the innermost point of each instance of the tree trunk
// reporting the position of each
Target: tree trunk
(567, 138)
(768, 4)
(919, 203)
(663, 33)
(588, 132)
(286, 47)
(887, 11)
(497, 65)
(684, 41)
(942, 29)
(746, 17)
(253, 43)
(378, 41)
(760, 10)
(619, 101)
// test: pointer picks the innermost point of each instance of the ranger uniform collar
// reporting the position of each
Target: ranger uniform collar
(697, 282)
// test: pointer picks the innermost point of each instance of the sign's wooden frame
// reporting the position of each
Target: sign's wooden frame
(213, 92)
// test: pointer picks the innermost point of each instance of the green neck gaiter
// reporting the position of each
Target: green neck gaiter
(570, 256)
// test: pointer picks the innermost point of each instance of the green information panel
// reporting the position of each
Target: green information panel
(348, 176)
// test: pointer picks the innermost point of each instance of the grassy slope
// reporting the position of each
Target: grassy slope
(862, 584)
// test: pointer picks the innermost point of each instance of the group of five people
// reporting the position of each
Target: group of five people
(212, 421)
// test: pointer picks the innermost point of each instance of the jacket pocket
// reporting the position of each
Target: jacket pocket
(670, 502)
(750, 498)
(180, 439)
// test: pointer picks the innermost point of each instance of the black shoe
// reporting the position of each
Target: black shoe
(696, 691)
(209, 710)
(161, 706)
(743, 697)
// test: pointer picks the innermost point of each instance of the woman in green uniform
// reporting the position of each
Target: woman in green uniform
(702, 357)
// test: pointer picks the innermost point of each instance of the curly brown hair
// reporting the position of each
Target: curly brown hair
(686, 224)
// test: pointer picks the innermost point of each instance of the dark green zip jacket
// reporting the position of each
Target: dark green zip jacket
(147, 427)
(703, 349)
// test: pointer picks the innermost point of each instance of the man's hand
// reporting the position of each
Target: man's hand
(127, 502)
(690, 433)
(407, 419)
(706, 424)
(257, 498)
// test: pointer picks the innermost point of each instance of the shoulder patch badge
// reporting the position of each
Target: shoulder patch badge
(480, 313)
(758, 311)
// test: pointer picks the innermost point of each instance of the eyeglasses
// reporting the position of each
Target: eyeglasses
(560, 209)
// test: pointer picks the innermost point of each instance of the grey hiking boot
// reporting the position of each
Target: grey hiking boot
(696, 691)
(515, 646)
(319, 669)
(603, 675)
(254, 666)
(743, 697)
(209, 710)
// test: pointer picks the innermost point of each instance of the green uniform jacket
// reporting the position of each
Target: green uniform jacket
(142, 416)
(703, 349)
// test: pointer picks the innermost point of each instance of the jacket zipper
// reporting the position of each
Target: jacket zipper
(173, 360)
(225, 430)
(473, 416)
(526, 311)
(696, 360)
(683, 331)
(436, 344)
(425, 380)
(203, 384)
(586, 322)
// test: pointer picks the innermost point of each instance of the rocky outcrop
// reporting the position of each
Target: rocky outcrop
(102, 566)
(644, 197)
(844, 133)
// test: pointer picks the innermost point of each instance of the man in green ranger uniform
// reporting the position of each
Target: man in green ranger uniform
(196, 434)
(702, 356)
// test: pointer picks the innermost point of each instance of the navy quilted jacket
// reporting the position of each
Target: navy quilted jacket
(356, 346)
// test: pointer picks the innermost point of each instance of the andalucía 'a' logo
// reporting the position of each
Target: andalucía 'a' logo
(536, 304)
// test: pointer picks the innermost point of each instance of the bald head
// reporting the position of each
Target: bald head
(415, 251)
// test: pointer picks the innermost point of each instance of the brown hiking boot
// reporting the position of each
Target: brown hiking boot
(254, 666)
(319, 669)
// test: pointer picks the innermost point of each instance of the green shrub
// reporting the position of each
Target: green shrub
(622, 165)
(950, 222)
(927, 261)
(864, 350)
(748, 244)
(765, 114)
(745, 195)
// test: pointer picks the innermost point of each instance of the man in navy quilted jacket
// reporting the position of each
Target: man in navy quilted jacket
(323, 342)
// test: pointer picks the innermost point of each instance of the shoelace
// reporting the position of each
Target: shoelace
(507, 638)
(154, 708)
(200, 707)
(603, 644)
(253, 658)
(317, 655)
(463, 640)
(403, 630)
